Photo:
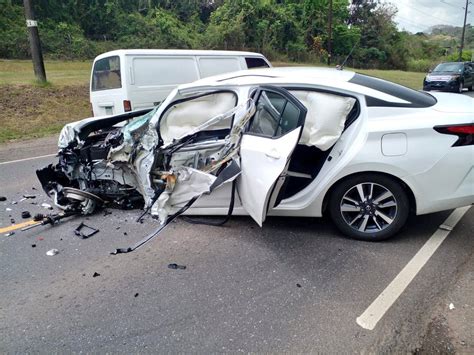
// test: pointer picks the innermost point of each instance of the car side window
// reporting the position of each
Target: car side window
(275, 115)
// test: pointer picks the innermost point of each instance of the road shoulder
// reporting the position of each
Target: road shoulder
(28, 148)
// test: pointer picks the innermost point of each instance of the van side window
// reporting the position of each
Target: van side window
(256, 63)
(106, 74)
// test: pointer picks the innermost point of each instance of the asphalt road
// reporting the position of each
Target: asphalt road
(295, 285)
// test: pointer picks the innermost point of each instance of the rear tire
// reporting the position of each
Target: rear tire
(369, 207)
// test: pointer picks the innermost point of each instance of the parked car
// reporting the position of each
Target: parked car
(134, 79)
(451, 76)
(281, 142)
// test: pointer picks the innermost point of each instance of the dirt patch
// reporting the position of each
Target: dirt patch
(29, 111)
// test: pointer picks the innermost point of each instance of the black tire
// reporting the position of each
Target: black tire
(470, 88)
(375, 213)
(460, 87)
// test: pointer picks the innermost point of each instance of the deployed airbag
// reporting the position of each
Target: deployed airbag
(325, 119)
(183, 117)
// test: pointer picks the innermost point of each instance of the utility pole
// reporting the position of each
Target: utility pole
(35, 44)
(330, 32)
(463, 31)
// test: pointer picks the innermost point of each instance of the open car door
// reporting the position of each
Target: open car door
(266, 148)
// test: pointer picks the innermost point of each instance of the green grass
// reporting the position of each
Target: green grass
(29, 109)
(13, 72)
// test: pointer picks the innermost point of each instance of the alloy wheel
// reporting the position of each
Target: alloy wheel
(368, 207)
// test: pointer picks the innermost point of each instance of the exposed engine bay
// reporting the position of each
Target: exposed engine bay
(131, 166)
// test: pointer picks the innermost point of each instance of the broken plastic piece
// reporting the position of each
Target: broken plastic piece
(96, 274)
(84, 231)
(33, 245)
(8, 209)
(176, 267)
(136, 294)
(9, 234)
(451, 306)
(25, 214)
(52, 252)
(298, 285)
(29, 196)
(47, 205)
(3, 198)
(446, 227)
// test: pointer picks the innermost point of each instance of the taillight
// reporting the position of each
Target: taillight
(127, 105)
(464, 132)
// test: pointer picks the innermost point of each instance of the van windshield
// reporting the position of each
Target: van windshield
(106, 74)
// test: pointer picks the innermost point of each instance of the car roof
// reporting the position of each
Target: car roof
(325, 78)
(121, 52)
(290, 75)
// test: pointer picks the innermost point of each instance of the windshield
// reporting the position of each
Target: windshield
(449, 67)
(106, 74)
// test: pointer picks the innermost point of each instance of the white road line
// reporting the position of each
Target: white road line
(387, 298)
(26, 159)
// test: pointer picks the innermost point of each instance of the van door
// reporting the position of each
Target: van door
(153, 77)
(108, 88)
(266, 148)
(209, 66)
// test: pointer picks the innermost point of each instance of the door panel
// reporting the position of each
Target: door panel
(266, 147)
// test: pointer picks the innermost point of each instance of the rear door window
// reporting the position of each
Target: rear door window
(106, 74)
(275, 115)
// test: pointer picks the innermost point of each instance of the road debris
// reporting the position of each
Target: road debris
(12, 221)
(451, 306)
(47, 206)
(446, 227)
(84, 231)
(136, 294)
(176, 267)
(96, 274)
(8, 209)
(33, 245)
(52, 252)
(25, 214)
(2, 198)
(298, 285)
(27, 197)
(9, 234)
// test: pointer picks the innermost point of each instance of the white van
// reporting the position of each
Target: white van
(133, 79)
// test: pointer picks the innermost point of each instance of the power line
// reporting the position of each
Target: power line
(411, 23)
(427, 14)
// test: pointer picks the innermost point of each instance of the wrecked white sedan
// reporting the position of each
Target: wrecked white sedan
(280, 141)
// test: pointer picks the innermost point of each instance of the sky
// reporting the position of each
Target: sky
(419, 15)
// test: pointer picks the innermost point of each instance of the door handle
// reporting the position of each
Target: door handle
(274, 154)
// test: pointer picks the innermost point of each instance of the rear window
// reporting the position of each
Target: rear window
(414, 98)
(106, 74)
(256, 63)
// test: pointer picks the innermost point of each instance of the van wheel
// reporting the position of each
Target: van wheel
(369, 207)
(460, 87)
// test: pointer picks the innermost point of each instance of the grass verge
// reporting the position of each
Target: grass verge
(30, 110)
